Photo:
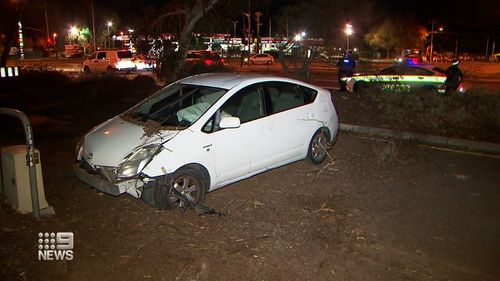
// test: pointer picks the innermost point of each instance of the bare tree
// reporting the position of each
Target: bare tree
(188, 12)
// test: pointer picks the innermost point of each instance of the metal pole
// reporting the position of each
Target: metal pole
(30, 157)
(249, 25)
(46, 20)
(432, 41)
(93, 24)
(270, 24)
(456, 48)
(493, 49)
(347, 49)
(487, 45)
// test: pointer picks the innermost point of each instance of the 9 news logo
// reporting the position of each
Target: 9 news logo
(55, 246)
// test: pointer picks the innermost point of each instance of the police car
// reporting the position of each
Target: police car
(402, 77)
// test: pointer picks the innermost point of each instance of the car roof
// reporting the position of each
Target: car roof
(416, 65)
(229, 80)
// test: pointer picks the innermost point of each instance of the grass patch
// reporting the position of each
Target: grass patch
(475, 115)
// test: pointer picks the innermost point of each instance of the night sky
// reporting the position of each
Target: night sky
(470, 22)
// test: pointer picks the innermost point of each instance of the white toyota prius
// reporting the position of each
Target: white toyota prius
(204, 132)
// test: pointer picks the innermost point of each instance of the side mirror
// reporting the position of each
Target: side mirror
(229, 122)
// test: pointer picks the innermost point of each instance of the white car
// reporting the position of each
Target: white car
(109, 60)
(261, 59)
(204, 132)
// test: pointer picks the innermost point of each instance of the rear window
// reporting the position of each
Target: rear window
(124, 54)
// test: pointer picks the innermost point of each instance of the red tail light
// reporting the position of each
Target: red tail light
(222, 60)
(208, 62)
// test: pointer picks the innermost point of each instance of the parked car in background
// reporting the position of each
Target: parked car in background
(206, 57)
(403, 77)
(261, 59)
(204, 132)
(109, 60)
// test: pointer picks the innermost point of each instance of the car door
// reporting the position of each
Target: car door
(233, 147)
(98, 64)
(294, 120)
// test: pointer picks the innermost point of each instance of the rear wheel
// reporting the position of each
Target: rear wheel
(184, 186)
(269, 62)
(318, 147)
(86, 70)
(110, 68)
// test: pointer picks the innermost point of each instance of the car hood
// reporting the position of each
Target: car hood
(109, 143)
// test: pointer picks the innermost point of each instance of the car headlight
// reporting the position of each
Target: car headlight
(137, 160)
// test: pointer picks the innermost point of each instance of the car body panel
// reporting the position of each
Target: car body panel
(403, 79)
(261, 59)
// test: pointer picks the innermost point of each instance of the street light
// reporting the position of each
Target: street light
(348, 31)
(432, 38)
(73, 32)
(109, 24)
(54, 35)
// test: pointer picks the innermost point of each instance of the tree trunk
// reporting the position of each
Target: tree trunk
(191, 18)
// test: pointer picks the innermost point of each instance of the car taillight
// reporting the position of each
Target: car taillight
(208, 62)
(221, 60)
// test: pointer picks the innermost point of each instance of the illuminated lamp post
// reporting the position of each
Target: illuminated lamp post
(348, 32)
(73, 31)
(440, 29)
(109, 24)
(54, 35)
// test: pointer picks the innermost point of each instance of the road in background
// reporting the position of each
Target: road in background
(321, 73)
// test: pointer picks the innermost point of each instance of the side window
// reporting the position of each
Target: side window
(93, 56)
(101, 55)
(309, 94)
(422, 71)
(389, 71)
(284, 96)
(247, 104)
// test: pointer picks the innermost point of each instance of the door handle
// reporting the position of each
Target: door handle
(207, 147)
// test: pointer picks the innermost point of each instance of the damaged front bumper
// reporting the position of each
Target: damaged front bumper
(130, 186)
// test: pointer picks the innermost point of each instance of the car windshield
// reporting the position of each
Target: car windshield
(178, 105)
(124, 54)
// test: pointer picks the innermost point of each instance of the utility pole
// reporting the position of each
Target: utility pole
(234, 28)
(249, 25)
(456, 48)
(493, 49)
(487, 45)
(432, 40)
(270, 24)
(257, 20)
(93, 25)
(46, 21)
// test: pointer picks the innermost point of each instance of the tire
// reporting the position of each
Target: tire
(318, 147)
(110, 68)
(269, 62)
(86, 70)
(187, 181)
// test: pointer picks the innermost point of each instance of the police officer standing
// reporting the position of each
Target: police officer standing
(453, 77)
(346, 66)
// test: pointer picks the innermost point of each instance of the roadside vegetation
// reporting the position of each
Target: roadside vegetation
(475, 115)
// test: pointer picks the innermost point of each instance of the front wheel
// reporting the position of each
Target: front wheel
(184, 186)
(318, 147)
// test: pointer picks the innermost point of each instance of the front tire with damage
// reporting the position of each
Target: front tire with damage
(189, 186)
